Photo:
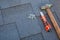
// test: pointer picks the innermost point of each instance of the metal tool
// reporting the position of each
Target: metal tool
(45, 22)
(50, 14)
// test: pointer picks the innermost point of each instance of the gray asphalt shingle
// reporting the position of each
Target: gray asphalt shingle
(9, 3)
(12, 14)
(20, 14)
(37, 36)
(18, 11)
(8, 32)
(1, 20)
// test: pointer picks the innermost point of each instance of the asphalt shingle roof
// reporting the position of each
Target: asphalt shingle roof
(15, 24)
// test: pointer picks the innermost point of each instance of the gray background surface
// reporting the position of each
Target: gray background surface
(15, 24)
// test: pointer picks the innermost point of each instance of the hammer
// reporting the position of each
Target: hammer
(50, 14)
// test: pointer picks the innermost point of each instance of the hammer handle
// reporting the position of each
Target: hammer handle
(56, 26)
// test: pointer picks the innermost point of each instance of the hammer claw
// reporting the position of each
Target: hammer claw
(47, 5)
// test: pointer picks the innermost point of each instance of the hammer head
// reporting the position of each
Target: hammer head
(46, 6)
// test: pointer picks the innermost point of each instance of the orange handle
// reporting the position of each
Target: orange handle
(46, 24)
